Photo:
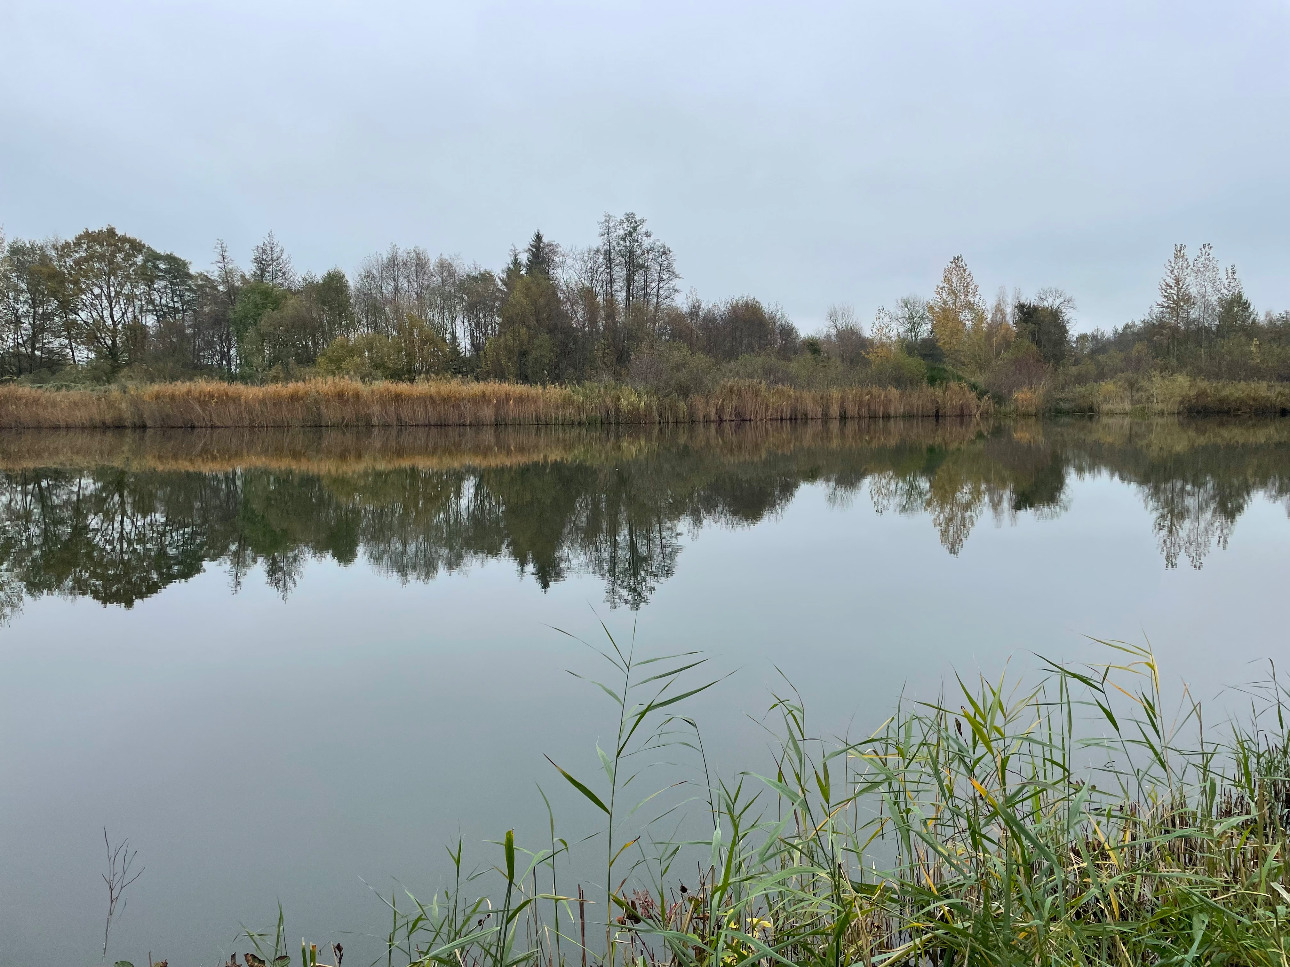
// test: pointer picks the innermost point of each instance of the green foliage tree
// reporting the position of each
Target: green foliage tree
(415, 350)
(1177, 301)
(255, 301)
(1236, 315)
(540, 256)
(111, 282)
(536, 341)
(1046, 328)
(365, 356)
(522, 350)
(29, 306)
(421, 350)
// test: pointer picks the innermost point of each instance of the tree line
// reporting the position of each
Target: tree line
(105, 306)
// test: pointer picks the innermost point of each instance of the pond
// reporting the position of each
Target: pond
(291, 666)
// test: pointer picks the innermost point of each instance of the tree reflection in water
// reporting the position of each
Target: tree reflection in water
(118, 517)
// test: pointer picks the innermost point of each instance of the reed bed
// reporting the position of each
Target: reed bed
(1073, 821)
(1170, 396)
(349, 404)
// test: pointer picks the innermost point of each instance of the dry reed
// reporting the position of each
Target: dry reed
(1176, 395)
(349, 404)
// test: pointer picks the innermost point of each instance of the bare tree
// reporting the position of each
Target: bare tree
(118, 878)
(1207, 286)
(481, 307)
(400, 284)
(447, 299)
(1051, 297)
(884, 330)
(912, 318)
(843, 334)
(218, 341)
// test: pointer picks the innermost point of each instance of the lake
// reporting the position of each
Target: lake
(290, 666)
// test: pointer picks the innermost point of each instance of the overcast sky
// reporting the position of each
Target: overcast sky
(805, 153)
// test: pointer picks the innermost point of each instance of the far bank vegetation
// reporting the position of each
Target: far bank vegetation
(105, 309)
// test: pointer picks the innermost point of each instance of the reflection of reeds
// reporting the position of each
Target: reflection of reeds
(343, 403)
(442, 448)
(1162, 436)
(340, 451)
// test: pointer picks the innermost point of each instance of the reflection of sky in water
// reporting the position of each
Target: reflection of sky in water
(256, 748)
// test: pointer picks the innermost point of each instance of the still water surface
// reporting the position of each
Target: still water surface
(292, 665)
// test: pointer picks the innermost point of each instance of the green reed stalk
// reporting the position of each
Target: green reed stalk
(1071, 820)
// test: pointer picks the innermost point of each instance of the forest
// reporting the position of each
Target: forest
(105, 307)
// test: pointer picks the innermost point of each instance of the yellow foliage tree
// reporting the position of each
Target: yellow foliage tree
(956, 310)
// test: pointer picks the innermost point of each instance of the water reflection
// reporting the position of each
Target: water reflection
(118, 517)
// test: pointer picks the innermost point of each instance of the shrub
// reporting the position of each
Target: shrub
(671, 370)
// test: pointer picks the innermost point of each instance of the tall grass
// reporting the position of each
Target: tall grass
(346, 403)
(1072, 821)
(1163, 395)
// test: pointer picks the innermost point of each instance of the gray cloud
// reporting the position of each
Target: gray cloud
(806, 153)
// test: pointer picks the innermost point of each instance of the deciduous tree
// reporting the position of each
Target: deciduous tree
(111, 283)
(956, 309)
